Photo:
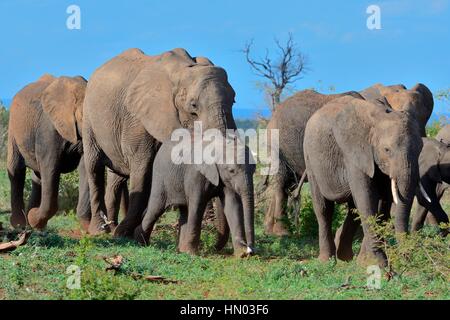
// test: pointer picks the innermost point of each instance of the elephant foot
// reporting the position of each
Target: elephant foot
(188, 248)
(244, 252)
(125, 230)
(84, 223)
(18, 221)
(325, 257)
(344, 254)
(141, 237)
(35, 219)
(97, 226)
(280, 230)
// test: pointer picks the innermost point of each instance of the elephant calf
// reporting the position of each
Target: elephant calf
(190, 187)
(434, 166)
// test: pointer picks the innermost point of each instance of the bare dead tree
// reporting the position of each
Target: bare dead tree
(286, 68)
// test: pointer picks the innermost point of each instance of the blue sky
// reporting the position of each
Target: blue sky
(412, 46)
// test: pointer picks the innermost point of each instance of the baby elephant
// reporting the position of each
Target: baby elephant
(189, 187)
(434, 165)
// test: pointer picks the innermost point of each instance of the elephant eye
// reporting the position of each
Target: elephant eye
(387, 150)
(193, 105)
(231, 170)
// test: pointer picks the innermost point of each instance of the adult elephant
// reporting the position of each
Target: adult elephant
(45, 135)
(135, 101)
(290, 119)
(363, 152)
(417, 101)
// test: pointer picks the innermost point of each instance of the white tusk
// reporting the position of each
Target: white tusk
(394, 191)
(424, 193)
(249, 250)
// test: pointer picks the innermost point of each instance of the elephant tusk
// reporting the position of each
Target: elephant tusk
(394, 191)
(424, 193)
(249, 250)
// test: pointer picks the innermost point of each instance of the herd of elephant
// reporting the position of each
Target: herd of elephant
(367, 149)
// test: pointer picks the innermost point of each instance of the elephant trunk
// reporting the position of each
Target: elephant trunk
(221, 118)
(248, 203)
(403, 192)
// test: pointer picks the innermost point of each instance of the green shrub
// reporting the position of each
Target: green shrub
(423, 253)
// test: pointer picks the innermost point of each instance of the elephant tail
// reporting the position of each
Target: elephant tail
(297, 190)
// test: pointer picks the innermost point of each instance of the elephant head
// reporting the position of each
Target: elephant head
(62, 100)
(237, 176)
(418, 101)
(181, 90)
(434, 160)
(374, 138)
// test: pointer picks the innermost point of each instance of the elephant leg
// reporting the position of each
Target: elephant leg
(190, 230)
(366, 198)
(182, 224)
(140, 185)
(221, 224)
(324, 210)
(384, 208)
(36, 192)
(419, 218)
(345, 234)
(124, 199)
(155, 209)
(114, 186)
(39, 216)
(430, 218)
(274, 222)
(95, 172)
(84, 203)
(16, 174)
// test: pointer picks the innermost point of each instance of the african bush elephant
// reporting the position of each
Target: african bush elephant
(418, 101)
(368, 153)
(434, 166)
(45, 135)
(135, 101)
(290, 119)
(190, 187)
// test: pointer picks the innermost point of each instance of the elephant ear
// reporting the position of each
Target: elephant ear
(150, 99)
(210, 172)
(62, 101)
(372, 92)
(151, 95)
(426, 95)
(352, 134)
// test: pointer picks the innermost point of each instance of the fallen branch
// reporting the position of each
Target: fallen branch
(154, 278)
(12, 245)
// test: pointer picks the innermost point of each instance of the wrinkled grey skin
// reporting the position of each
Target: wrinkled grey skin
(189, 187)
(290, 119)
(133, 102)
(45, 135)
(434, 164)
(361, 146)
(418, 101)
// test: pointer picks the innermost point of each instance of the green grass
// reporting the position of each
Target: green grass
(284, 269)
